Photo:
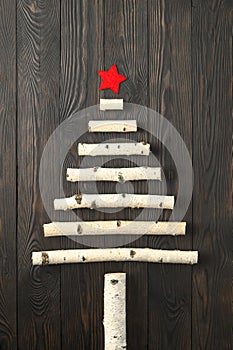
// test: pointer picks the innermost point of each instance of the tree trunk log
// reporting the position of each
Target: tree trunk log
(115, 311)
(124, 200)
(113, 174)
(114, 254)
(89, 228)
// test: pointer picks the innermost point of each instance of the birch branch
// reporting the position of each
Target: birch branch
(111, 104)
(116, 254)
(112, 126)
(113, 149)
(89, 228)
(124, 200)
(113, 174)
(115, 311)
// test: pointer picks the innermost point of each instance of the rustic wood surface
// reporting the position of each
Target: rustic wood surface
(212, 201)
(8, 178)
(38, 62)
(170, 93)
(178, 58)
(82, 35)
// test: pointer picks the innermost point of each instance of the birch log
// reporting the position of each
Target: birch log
(113, 149)
(89, 228)
(111, 104)
(113, 174)
(54, 257)
(124, 200)
(115, 311)
(112, 126)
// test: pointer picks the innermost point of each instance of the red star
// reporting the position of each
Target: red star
(111, 79)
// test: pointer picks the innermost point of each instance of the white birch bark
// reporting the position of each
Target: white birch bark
(124, 200)
(115, 311)
(112, 126)
(113, 149)
(115, 254)
(111, 104)
(89, 228)
(113, 174)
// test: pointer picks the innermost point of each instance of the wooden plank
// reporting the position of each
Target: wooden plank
(81, 58)
(170, 94)
(126, 45)
(212, 127)
(38, 96)
(8, 278)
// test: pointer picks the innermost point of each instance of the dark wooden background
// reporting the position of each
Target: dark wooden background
(177, 55)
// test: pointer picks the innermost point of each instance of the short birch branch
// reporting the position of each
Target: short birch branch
(119, 227)
(124, 200)
(113, 149)
(115, 254)
(113, 174)
(115, 311)
(111, 104)
(112, 126)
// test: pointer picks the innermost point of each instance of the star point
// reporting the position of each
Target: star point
(111, 79)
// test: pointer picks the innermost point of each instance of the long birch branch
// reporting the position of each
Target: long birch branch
(113, 174)
(115, 254)
(89, 228)
(124, 200)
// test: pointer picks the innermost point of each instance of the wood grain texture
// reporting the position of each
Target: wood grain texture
(8, 277)
(125, 45)
(81, 58)
(177, 56)
(38, 96)
(170, 94)
(212, 127)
